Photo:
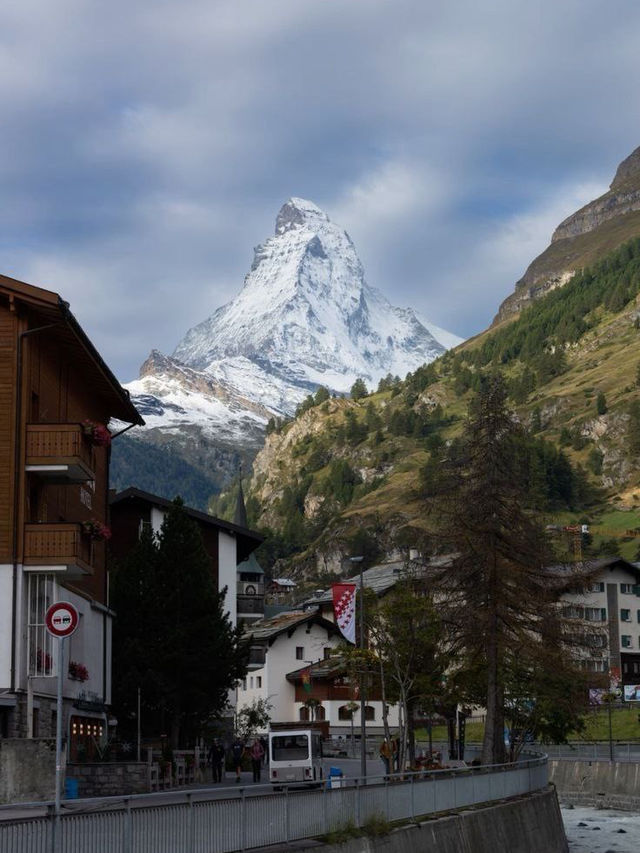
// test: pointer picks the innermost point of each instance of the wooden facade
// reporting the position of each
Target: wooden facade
(54, 469)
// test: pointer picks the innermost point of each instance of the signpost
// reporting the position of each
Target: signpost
(61, 620)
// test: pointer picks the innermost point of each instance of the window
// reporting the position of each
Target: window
(626, 641)
(573, 612)
(320, 712)
(625, 615)
(327, 651)
(344, 713)
(595, 614)
(244, 683)
(626, 588)
(41, 649)
(304, 714)
(299, 652)
(369, 712)
(290, 747)
(638, 615)
(251, 682)
(598, 586)
(258, 681)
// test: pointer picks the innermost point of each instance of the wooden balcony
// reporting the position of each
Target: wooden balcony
(59, 452)
(57, 548)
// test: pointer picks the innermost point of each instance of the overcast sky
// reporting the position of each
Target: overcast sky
(147, 145)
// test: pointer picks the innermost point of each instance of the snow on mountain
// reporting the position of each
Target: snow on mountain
(306, 317)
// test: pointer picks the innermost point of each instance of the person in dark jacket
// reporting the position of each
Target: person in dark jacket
(216, 760)
(257, 754)
(237, 751)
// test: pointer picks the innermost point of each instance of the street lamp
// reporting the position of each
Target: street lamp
(363, 725)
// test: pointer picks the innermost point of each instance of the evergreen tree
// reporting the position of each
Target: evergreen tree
(172, 630)
(358, 390)
(496, 594)
(601, 404)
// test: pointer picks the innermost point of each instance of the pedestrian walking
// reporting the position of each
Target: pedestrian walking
(257, 754)
(385, 756)
(237, 752)
(216, 760)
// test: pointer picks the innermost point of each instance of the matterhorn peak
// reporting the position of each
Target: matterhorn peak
(299, 213)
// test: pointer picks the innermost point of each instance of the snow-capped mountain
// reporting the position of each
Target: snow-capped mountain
(305, 317)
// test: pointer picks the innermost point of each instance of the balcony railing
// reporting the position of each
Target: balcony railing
(57, 547)
(59, 452)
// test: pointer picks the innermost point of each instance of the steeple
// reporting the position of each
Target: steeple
(240, 515)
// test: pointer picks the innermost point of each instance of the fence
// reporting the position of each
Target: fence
(600, 751)
(194, 822)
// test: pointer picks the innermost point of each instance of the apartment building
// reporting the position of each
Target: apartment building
(57, 397)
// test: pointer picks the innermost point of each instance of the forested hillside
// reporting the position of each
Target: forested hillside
(357, 468)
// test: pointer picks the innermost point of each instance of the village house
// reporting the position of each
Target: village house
(229, 546)
(56, 398)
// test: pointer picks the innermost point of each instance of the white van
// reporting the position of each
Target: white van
(295, 756)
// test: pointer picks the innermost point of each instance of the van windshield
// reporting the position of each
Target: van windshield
(290, 748)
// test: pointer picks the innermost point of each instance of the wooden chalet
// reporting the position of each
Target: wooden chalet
(57, 397)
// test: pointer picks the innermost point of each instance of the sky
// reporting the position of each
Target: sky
(147, 146)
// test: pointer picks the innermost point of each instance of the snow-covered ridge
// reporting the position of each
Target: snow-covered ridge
(305, 317)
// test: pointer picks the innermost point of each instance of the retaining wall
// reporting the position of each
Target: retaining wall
(530, 824)
(27, 770)
(105, 780)
(607, 784)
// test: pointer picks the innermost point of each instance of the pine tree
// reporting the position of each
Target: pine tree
(601, 404)
(358, 390)
(181, 642)
(495, 594)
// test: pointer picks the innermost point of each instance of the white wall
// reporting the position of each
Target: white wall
(227, 571)
(281, 659)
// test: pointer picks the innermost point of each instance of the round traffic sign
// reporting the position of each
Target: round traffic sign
(61, 619)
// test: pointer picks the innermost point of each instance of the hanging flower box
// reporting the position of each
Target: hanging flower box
(78, 671)
(96, 530)
(97, 433)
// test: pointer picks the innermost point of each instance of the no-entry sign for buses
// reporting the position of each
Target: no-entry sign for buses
(61, 619)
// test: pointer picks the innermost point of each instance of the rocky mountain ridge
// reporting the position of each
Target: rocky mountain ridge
(305, 318)
(582, 238)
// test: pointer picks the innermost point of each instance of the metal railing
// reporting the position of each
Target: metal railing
(242, 818)
(595, 751)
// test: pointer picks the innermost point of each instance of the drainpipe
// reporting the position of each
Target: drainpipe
(16, 492)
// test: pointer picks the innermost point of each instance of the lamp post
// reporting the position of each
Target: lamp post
(363, 725)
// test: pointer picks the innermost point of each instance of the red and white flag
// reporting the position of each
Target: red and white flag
(344, 607)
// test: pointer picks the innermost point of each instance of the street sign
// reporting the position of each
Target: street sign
(61, 619)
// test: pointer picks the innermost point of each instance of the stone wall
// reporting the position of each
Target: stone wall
(530, 824)
(106, 780)
(606, 784)
(27, 770)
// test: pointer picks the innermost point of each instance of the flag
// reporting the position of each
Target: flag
(306, 680)
(344, 608)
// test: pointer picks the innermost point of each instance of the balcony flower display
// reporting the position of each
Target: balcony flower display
(78, 671)
(97, 433)
(96, 529)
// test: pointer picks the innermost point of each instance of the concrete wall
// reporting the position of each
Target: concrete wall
(599, 783)
(530, 824)
(27, 770)
(105, 780)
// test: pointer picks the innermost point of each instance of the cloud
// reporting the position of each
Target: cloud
(146, 147)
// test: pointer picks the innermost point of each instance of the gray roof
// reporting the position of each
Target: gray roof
(251, 565)
(267, 629)
(381, 578)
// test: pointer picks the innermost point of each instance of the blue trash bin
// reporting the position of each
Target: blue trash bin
(70, 789)
(336, 777)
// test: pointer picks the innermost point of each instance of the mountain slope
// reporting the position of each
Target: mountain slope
(305, 318)
(583, 238)
(571, 360)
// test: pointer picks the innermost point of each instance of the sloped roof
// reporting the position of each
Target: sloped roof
(268, 629)
(328, 668)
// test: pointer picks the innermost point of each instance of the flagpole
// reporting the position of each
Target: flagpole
(363, 703)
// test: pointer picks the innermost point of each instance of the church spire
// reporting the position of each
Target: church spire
(240, 515)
